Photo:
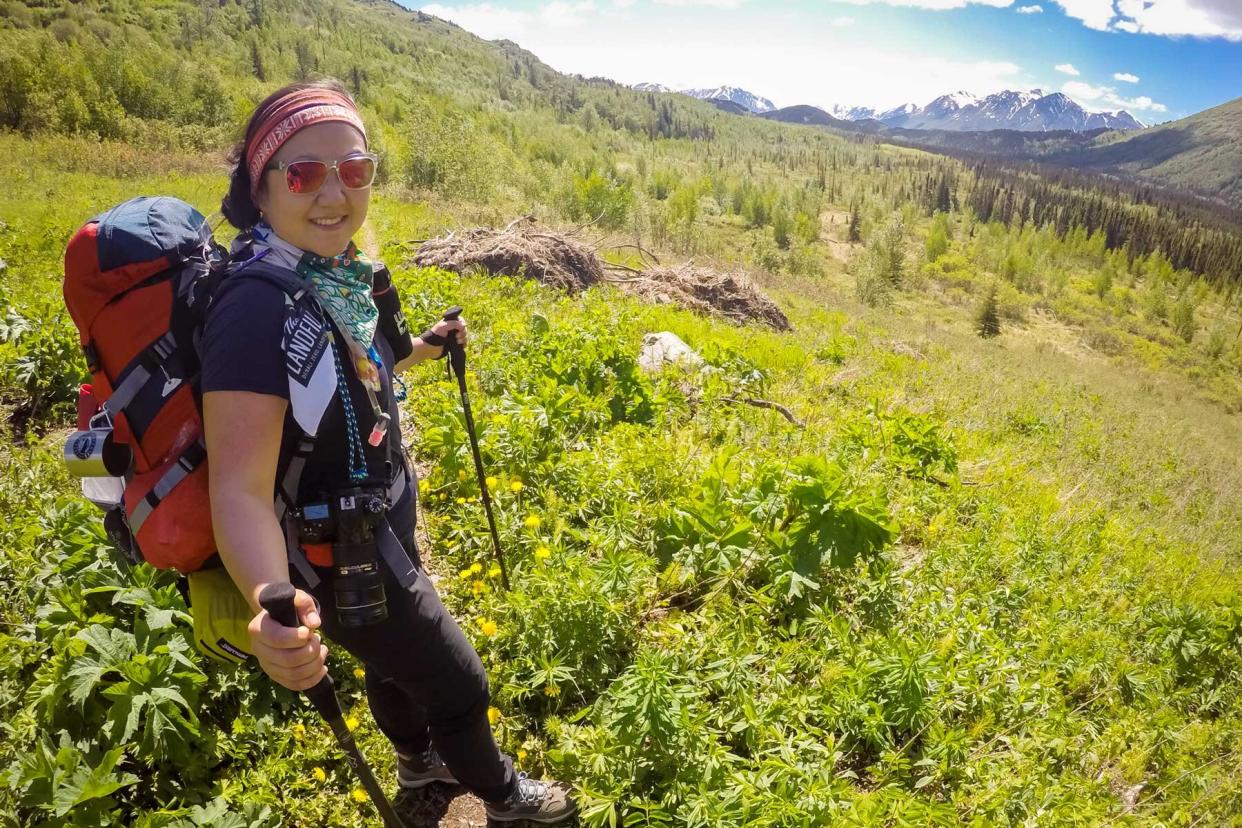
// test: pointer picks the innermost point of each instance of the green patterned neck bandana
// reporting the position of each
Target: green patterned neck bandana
(343, 284)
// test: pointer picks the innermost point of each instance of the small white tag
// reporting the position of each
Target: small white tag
(170, 386)
(347, 504)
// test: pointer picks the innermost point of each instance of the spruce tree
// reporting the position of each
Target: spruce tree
(987, 322)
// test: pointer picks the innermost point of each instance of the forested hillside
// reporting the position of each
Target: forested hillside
(1200, 154)
(984, 572)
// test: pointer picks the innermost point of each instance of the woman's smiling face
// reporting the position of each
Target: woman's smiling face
(322, 222)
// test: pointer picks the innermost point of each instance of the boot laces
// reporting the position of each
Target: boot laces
(530, 790)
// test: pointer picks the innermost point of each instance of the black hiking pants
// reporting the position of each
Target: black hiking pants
(425, 683)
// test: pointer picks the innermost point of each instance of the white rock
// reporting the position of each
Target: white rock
(664, 348)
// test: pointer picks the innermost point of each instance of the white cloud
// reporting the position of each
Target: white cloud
(487, 21)
(1172, 18)
(934, 5)
(1096, 96)
(803, 60)
(720, 4)
(1067, 69)
(1125, 77)
(492, 22)
(1095, 14)
(1030, 9)
(842, 22)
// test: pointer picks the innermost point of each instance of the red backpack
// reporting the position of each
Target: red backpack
(137, 282)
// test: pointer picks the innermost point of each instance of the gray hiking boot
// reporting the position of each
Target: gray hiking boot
(418, 771)
(535, 801)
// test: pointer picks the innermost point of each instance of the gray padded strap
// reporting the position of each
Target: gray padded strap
(395, 556)
(297, 557)
(124, 394)
(179, 471)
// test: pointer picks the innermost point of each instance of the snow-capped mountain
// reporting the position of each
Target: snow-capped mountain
(652, 87)
(853, 113)
(1027, 111)
(749, 100)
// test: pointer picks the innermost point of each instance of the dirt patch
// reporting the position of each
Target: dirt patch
(561, 260)
(520, 249)
(440, 806)
(731, 295)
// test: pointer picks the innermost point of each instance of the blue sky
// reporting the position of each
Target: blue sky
(1159, 59)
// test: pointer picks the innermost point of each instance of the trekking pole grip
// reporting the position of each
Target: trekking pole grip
(456, 351)
(277, 599)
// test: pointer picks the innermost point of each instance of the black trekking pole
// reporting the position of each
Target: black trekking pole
(457, 364)
(277, 599)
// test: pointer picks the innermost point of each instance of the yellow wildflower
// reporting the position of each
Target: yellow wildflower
(487, 626)
(423, 487)
(319, 774)
(515, 486)
(360, 673)
(460, 501)
(521, 755)
(299, 730)
(551, 690)
(476, 567)
(359, 795)
(493, 716)
(543, 553)
(494, 572)
(461, 474)
(492, 482)
(352, 723)
(464, 574)
(533, 522)
(478, 587)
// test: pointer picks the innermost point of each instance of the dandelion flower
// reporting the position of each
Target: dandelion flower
(423, 487)
(464, 574)
(543, 553)
(478, 587)
(352, 723)
(359, 795)
(521, 755)
(515, 486)
(476, 567)
(493, 716)
(494, 572)
(533, 522)
(488, 627)
(360, 673)
(299, 730)
(492, 482)
(319, 774)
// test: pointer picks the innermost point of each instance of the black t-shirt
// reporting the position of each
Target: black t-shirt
(241, 351)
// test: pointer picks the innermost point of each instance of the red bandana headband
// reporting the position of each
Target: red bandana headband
(293, 112)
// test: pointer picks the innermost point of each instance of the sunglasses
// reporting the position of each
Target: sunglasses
(305, 177)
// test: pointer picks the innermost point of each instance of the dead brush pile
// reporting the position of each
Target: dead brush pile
(563, 261)
(520, 249)
(731, 295)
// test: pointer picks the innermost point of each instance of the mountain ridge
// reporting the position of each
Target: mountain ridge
(1032, 110)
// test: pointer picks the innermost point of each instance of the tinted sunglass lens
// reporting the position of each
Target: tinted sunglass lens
(356, 173)
(305, 176)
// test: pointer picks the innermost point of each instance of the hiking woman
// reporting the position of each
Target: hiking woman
(283, 365)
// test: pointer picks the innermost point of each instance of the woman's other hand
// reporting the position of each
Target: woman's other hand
(294, 657)
(444, 326)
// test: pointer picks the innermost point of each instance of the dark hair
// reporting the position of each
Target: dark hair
(238, 205)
